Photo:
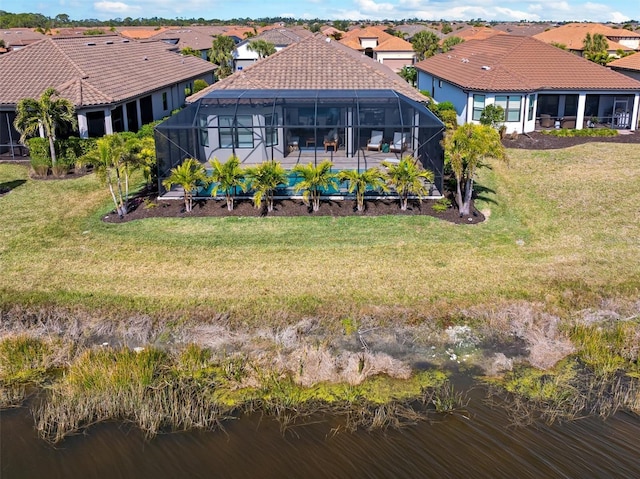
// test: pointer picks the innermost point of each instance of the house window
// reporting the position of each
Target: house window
(478, 106)
(511, 106)
(165, 102)
(530, 112)
(439, 83)
(238, 134)
(204, 131)
(271, 130)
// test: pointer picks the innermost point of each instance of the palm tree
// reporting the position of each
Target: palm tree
(466, 150)
(227, 177)
(221, 53)
(50, 113)
(264, 179)
(262, 47)
(314, 180)
(408, 178)
(189, 174)
(360, 181)
(106, 160)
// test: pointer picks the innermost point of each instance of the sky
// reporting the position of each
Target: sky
(617, 11)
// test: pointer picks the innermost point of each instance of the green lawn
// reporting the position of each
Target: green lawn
(563, 230)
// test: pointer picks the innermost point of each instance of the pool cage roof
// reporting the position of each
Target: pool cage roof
(354, 112)
(232, 102)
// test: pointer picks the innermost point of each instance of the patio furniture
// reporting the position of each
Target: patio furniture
(310, 142)
(294, 143)
(399, 142)
(568, 122)
(331, 139)
(375, 142)
(546, 121)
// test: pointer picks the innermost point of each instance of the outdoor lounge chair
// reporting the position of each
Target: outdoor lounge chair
(399, 142)
(331, 139)
(375, 142)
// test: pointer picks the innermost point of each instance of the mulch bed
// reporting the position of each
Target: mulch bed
(539, 141)
(148, 206)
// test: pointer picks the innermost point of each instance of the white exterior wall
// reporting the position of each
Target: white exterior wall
(369, 43)
(259, 152)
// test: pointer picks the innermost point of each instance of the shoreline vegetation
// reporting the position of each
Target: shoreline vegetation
(178, 323)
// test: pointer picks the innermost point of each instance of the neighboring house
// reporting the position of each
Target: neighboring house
(526, 29)
(114, 83)
(199, 38)
(17, 38)
(572, 36)
(536, 84)
(312, 100)
(470, 32)
(409, 30)
(375, 43)
(629, 65)
(278, 37)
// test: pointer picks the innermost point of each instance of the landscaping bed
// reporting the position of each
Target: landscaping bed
(147, 205)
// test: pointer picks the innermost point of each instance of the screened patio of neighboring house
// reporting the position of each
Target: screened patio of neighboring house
(354, 129)
(599, 111)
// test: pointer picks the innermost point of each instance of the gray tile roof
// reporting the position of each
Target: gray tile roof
(521, 63)
(95, 70)
(315, 63)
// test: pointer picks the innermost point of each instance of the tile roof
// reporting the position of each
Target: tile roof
(631, 62)
(475, 33)
(196, 37)
(519, 63)
(281, 37)
(573, 34)
(94, 71)
(315, 63)
(386, 42)
(19, 37)
(139, 33)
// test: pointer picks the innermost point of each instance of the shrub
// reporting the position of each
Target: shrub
(443, 204)
(589, 132)
(39, 154)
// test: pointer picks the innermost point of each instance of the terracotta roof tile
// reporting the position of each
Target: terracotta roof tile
(386, 42)
(573, 34)
(315, 63)
(518, 63)
(94, 70)
(631, 62)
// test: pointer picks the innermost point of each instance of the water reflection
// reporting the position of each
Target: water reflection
(483, 446)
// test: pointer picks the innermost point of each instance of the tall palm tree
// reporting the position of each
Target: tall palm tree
(466, 150)
(227, 177)
(264, 179)
(408, 178)
(50, 113)
(314, 180)
(359, 181)
(189, 174)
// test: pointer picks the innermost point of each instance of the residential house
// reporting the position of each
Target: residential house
(280, 38)
(312, 100)
(17, 38)
(538, 85)
(374, 42)
(470, 32)
(572, 36)
(200, 38)
(115, 84)
(629, 65)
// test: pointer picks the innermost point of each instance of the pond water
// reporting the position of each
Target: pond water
(482, 444)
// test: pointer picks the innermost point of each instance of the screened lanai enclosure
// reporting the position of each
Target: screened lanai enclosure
(354, 129)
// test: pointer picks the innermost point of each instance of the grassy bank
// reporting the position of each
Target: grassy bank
(562, 231)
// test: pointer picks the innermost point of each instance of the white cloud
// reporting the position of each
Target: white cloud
(116, 8)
